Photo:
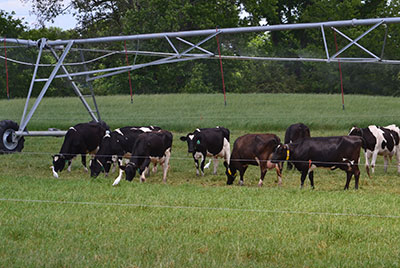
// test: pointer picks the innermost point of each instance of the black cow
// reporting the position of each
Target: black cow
(212, 142)
(149, 147)
(378, 141)
(253, 149)
(329, 152)
(80, 139)
(115, 146)
(294, 133)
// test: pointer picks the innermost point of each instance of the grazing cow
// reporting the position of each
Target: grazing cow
(115, 146)
(149, 147)
(212, 142)
(253, 149)
(294, 133)
(328, 152)
(378, 141)
(80, 139)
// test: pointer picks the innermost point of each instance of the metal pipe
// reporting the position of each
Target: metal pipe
(280, 27)
(55, 133)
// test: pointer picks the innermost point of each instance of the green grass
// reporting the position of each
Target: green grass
(76, 221)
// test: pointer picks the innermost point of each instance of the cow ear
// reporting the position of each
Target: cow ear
(183, 138)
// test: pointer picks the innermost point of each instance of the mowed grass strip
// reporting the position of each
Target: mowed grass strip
(77, 221)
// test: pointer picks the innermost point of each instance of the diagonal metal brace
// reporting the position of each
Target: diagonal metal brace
(355, 43)
(355, 40)
(75, 87)
(193, 45)
(42, 44)
(158, 62)
(46, 86)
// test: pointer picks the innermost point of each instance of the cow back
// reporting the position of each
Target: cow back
(326, 149)
(251, 146)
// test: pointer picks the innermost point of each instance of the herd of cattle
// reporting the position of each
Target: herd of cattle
(143, 145)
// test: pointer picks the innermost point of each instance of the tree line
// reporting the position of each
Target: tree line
(127, 17)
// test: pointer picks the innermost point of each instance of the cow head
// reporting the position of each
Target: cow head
(103, 159)
(59, 162)
(100, 164)
(194, 141)
(230, 174)
(130, 171)
(281, 153)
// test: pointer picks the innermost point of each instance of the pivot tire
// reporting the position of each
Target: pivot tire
(8, 142)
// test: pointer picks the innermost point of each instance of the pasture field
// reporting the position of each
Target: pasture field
(77, 221)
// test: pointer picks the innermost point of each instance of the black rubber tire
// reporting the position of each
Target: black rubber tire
(7, 128)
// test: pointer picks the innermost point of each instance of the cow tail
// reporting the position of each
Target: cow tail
(226, 133)
(363, 144)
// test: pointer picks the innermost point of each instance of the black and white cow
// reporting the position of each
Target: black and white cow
(341, 152)
(80, 139)
(116, 145)
(378, 141)
(294, 133)
(212, 142)
(253, 149)
(149, 147)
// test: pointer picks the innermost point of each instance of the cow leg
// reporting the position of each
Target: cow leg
(311, 178)
(202, 162)
(278, 174)
(398, 160)
(166, 164)
(303, 177)
(349, 175)
(142, 176)
(367, 156)
(263, 172)
(69, 165)
(373, 161)
(385, 163)
(84, 162)
(144, 168)
(121, 172)
(196, 157)
(154, 167)
(356, 172)
(241, 172)
(215, 162)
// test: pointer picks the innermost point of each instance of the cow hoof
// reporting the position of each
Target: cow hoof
(260, 185)
(142, 180)
(86, 170)
(241, 183)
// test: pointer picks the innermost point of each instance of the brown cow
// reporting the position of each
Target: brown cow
(253, 149)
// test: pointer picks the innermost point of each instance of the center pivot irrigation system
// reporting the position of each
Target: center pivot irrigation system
(11, 134)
